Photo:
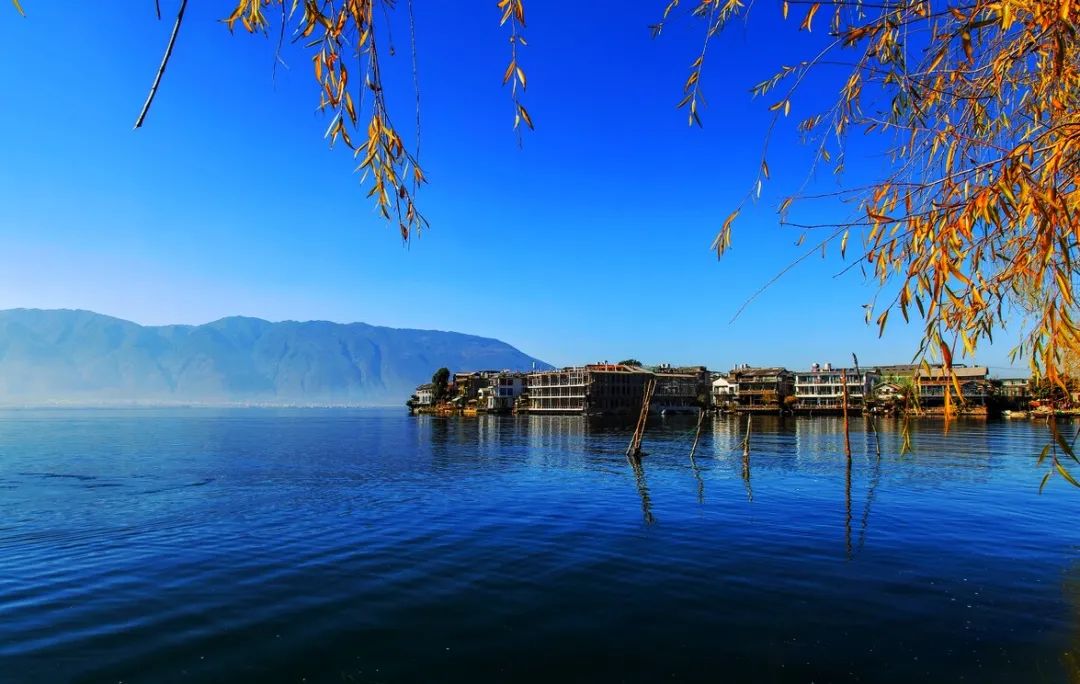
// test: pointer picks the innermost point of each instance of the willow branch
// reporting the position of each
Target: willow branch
(161, 68)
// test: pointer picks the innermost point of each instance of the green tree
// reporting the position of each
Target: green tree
(631, 362)
(441, 383)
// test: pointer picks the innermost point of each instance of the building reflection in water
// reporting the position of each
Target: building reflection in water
(812, 446)
(557, 441)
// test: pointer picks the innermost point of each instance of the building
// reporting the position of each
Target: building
(600, 389)
(723, 391)
(822, 388)
(1017, 389)
(762, 389)
(889, 392)
(425, 395)
(465, 386)
(932, 383)
(501, 392)
(680, 390)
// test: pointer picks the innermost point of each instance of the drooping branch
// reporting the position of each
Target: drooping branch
(164, 63)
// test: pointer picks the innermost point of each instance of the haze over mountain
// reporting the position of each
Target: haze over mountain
(81, 357)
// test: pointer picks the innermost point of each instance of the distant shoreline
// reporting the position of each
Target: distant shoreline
(185, 405)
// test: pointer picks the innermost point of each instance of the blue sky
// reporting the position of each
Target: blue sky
(591, 242)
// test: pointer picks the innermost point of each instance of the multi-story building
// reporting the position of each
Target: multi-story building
(680, 390)
(425, 395)
(500, 393)
(932, 382)
(602, 389)
(1014, 388)
(723, 391)
(822, 388)
(762, 389)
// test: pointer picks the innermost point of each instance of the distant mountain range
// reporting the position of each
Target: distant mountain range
(81, 357)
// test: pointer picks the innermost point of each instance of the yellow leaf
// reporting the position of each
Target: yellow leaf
(525, 116)
(810, 16)
(723, 238)
(1065, 474)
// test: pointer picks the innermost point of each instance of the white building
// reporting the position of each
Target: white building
(425, 395)
(822, 387)
(723, 391)
(502, 391)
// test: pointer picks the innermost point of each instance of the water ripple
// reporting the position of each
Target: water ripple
(369, 546)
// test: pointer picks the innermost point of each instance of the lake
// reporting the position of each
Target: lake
(370, 546)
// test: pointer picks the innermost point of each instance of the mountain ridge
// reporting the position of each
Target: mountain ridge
(76, 356)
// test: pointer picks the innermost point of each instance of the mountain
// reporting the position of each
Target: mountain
(83, 357)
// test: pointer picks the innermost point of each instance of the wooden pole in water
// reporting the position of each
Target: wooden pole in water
(697, 434)
(847, 432)
(746, 461)
(634, 450)
(746, 439)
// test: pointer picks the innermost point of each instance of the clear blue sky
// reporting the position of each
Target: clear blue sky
(591, 242)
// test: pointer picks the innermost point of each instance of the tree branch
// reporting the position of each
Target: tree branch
(161, 68)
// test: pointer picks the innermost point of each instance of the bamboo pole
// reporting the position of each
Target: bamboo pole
(746, 438)
(697, 433)
(634, 450)
(847, 427)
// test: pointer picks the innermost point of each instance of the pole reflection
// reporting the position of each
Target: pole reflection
(875, 480)
(746, 475)
(643, 489)
(847, 508)
(700, 481)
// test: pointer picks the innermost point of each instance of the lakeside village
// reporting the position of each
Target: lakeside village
(620, 389)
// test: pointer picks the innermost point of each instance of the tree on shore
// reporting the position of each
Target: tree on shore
(440, 383)
(631, 362)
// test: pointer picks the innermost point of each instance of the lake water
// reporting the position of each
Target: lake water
(368, 546)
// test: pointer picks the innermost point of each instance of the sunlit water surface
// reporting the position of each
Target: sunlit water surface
(262, 545)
